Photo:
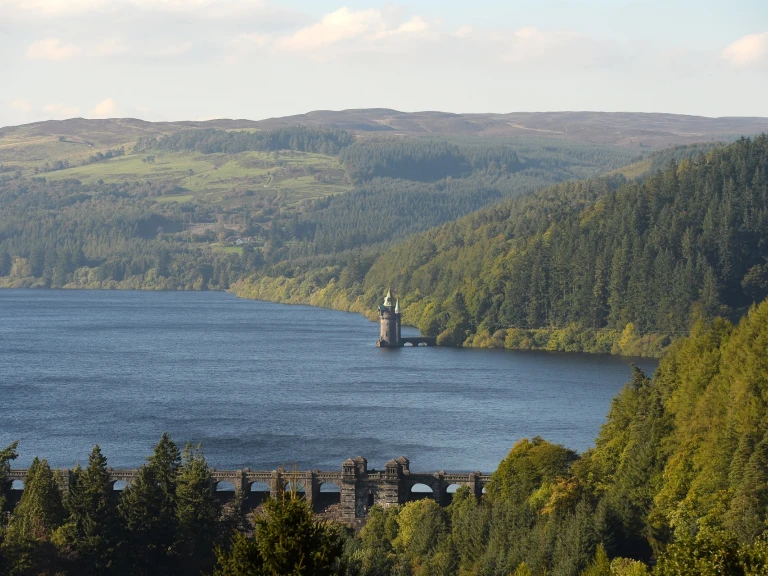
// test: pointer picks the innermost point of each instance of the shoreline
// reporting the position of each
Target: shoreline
(570, 339)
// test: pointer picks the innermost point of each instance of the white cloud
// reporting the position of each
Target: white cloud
(111, 47)
(49, 7)
(51, 49)
(170, 50)
(215, 9)
(749, 50)
(21, 105)
(191, 4)
(530, 43)
(553, 50)
(107, 108)
(345, 25)
(61, 110)
(211, 8)
(464, 32)
(413, 26)
(244, 44)
(250, 40)
(335, 27)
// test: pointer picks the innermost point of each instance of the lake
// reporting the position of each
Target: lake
(263, 385)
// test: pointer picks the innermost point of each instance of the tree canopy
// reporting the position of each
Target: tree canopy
(598, 265)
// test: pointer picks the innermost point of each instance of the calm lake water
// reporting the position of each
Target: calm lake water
(263, 384)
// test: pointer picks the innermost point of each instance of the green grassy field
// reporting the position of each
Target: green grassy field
(227, 249)
(73, 140)
(229, 180)
(635, 170)
(175, 198)
(215, 178)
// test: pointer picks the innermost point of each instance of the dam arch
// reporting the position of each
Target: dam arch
(346, 495)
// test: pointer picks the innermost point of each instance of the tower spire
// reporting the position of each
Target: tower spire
(389, 322)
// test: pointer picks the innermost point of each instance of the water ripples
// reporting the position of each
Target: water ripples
(264, 384)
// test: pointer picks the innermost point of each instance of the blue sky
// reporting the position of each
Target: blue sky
(198, 59)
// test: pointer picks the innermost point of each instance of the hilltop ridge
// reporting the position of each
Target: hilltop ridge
(652, 130)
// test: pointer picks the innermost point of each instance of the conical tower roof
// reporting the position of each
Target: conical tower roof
(397, 306)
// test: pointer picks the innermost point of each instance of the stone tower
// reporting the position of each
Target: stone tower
(389, 323)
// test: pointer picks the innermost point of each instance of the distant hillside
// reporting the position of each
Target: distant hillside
(598, 265)
(613, 128)
(298, 190)
(128, 203)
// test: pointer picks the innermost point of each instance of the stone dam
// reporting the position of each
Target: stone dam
(345, 496)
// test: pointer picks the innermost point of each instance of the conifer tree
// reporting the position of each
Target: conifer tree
(7, 455)
(375, 555)
(5, 263)
(198, 512)
(289, 541)
(140, 508)
(93, 529)
(148, 508)
(166, 461)
(242, 558)
(27, 542)
(522, 570)
(600, 565)
(292, 542)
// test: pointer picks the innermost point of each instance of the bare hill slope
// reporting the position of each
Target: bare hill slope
(617, 128)
(609, 128)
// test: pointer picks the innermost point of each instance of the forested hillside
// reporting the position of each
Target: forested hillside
(404, 187)
(326, 141)
(677, 485)
(56, 234)
(321, 215)
(199, 208)
(678, 477)
(400, 186)
(600, 265)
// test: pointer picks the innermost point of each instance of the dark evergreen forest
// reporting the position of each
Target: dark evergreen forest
(54, 234)
(427, 160)
(327, 141)
(592, 265)
(57, 233)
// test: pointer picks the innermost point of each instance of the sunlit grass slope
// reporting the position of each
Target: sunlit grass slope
(294, 176)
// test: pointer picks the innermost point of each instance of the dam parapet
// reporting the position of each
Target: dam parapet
(346, 495)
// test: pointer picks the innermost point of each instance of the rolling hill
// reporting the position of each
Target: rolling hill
(613, 128)
(130, 203)
(601, 265)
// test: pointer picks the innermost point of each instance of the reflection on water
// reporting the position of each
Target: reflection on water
(264, 384)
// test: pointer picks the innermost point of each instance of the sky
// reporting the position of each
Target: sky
(204, 59)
